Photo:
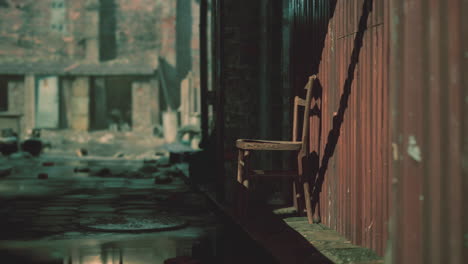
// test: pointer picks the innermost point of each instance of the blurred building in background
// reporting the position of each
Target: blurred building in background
(94, 64)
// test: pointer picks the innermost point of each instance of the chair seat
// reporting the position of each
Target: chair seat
(273, 173)
(252, 144)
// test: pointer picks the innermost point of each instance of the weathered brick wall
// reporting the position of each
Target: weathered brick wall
(28, 28)
(137, 25)
(25, 30)
(80, 104)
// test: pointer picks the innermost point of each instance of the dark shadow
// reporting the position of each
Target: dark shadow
(183, 38)
(107, 30)
(312, 165)
(269, 230)
(309, 30)
(334, 133)
(169, 85)
(308, 35)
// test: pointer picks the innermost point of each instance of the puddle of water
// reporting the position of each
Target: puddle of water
(155, 249)
(218, 244)
(38, 209)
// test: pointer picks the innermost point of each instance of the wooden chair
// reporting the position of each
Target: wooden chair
(300, 177)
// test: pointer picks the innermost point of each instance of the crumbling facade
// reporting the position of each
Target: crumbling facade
(90, 64)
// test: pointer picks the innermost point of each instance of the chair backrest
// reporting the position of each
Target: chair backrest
(305, 124)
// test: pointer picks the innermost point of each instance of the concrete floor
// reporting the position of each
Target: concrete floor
(44, 220)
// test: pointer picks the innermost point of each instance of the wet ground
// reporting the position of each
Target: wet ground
(93, 211)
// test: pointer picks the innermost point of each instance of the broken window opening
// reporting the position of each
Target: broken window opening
(3, 95)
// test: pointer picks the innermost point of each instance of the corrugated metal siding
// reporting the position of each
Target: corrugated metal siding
(354, 197)
(429, 80)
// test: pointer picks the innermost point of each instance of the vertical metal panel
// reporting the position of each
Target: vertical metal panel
(354, 196)
(429, 81)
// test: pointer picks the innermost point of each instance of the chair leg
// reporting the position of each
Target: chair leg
(308, 202)
(316, 213)
(240, 166)
(240, 178)
(246, 183)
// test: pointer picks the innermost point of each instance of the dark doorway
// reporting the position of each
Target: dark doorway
(111, 103)
(3, 94)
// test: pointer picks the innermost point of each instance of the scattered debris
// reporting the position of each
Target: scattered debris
(150, 161)
(104, 172)
(33, 146)
(171, 170)
(148, 155)
(162, 178)
(81, 169)
(119, 154)
(107, 138)
(8, 141)
(81, 152)
(160, 153)
(48, 164)
(21, 155)
(135, 175)
(5, 171)
(158, 131)
(43, 176)
(130, 157)
(189, 133)
(163, 162)
(148, 168)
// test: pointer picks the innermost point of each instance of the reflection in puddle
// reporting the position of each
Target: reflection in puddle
(223, 244)
(154, 249)
(41, 223)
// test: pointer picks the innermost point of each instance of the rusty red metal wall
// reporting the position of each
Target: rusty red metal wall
(349, 52)
(429, 83)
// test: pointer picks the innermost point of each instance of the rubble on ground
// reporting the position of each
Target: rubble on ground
(81, 169)
(149, 168)
(33, 146)
(8, 142)
(82, 152)
(5, 171)
(21, 155)
(118, 144)
(119, 154)
(162, 178)
(104, 172)
(43, 176)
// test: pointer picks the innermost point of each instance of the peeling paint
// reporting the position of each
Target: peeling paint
(413, 149)
(395, 151)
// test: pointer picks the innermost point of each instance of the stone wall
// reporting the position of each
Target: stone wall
(79, 110)
(48, 30)
(141, 107)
